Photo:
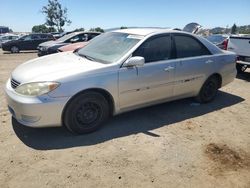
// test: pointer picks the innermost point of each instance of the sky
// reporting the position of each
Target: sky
(22, 15)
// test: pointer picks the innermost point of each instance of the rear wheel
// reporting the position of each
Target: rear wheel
(240, 68)
(86, 112)
(14, 49)
(209, 90)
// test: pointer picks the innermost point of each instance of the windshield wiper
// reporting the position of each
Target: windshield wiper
(85, 56)
(88, 57)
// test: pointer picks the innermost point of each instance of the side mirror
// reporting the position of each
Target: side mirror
(136, 61)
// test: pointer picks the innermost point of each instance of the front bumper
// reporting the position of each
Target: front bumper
(42, 51)
(43, 111)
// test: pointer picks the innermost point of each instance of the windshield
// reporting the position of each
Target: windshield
(23, 37)
(216, 39)
(109, 47)
(66, 37)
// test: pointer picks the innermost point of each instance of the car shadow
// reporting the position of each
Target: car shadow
(244, 76)
(21, 52)
(138, 121)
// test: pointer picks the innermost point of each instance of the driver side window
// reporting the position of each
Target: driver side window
(155, 49)
(27, 38)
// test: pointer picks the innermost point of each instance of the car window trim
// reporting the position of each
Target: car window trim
(187, 35)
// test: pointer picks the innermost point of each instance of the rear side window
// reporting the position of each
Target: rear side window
(156, 49)
(35, 37)
(189, 47)
(50, 37)
(44, 36)
(92, 35)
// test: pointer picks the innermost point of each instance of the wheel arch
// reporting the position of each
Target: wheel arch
(103, 92)
(218, 76)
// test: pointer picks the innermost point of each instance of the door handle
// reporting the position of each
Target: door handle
(209, 61)
(169, 68)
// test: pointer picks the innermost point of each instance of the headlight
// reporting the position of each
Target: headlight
(36, 88)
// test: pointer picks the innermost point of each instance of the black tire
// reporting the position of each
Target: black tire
(209, 90)
(240, 68)
(14, 49)
(86, 112)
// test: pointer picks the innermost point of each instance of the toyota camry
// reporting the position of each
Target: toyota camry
(116, 72)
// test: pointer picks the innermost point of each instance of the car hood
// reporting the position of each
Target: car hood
(51, 43)
(55, 67)
(72, 47)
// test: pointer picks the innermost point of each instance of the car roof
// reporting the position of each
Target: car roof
(147, 31)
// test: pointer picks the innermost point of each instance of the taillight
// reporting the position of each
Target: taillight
(225, 43)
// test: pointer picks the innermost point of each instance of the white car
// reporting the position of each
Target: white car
(6, 38)
(117, 72)
(240, 44)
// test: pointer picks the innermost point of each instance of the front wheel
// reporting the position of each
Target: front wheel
(241, 68)
(86, 112)
(14, 49)
(209, 90)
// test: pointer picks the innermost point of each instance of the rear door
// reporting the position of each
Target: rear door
(153, 81)
(36, 40)
(195, 63)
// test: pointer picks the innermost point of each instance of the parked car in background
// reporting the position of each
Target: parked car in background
(220, 40)
(117, 72)
(4, 30)
(240, 44)
(27, 42)
(193, 28)
(72, 47)
(58, 35)
(52, 46)
(7, 38)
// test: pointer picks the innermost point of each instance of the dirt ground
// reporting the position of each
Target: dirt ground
(176, 144)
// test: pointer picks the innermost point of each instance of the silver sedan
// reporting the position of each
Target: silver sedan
(116, 72)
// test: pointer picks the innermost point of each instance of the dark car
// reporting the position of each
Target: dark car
(27, 42)
(219, 40)
(52, 46)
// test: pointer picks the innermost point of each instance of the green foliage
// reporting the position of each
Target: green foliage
(56, 16)
(244, 29)
(123, 27)
(234, 29)
(42, 29)
(97, 29)
(79, 29)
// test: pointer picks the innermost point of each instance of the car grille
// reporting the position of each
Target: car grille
(14, 83)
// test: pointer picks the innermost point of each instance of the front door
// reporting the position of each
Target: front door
(151, 82)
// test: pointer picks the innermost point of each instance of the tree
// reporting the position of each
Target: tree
(123, 27)
(79, 29)
(42, 29)
(56, 16)
(97, 29)
(234, 29)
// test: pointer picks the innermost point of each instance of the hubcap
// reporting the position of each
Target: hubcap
(14, 49)
(88, 113)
